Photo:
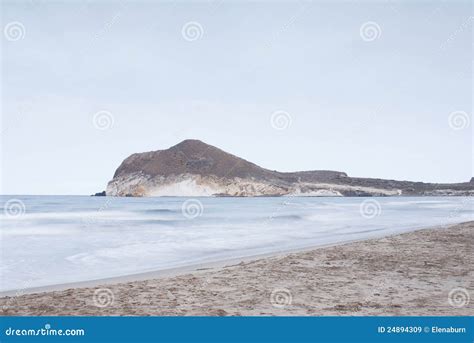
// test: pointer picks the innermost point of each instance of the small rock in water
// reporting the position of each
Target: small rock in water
(100, 194)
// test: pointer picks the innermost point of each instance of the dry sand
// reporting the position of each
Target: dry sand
(414, 273)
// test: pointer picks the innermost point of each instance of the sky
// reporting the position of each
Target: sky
(374, 89)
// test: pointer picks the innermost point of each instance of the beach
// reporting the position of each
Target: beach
(425, 272)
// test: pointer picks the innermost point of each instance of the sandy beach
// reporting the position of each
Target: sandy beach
(425, 272)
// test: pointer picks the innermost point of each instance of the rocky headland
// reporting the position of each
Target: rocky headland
(194, 168)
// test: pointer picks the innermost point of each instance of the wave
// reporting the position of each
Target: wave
(73, 241)
(158, 210)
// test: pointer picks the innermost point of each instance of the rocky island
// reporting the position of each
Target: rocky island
(194, 168)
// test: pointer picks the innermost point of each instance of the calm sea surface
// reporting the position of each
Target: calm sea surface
(48, 240)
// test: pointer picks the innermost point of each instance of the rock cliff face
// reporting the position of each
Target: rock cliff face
(193, 168)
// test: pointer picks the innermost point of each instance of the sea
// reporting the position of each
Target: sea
(51, 240)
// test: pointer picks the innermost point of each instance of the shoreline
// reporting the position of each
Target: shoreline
(197, 267)
(411, 273)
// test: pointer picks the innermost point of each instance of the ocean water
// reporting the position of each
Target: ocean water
(47, 240)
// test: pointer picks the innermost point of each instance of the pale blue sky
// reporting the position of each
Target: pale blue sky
(370, 108)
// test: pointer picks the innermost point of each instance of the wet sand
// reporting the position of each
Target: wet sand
(425, 272)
